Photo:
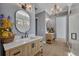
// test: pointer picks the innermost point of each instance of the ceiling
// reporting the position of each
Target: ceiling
(47, 7)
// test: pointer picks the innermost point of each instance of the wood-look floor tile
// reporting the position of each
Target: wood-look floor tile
(57, 48)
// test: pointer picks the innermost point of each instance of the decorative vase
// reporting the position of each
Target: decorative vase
(8, 39)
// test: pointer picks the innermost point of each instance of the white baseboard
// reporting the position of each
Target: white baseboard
(71, 54)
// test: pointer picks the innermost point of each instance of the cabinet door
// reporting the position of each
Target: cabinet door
(26, 50)
(18, 51)
(7, 53)
(29, 49)
(38, 46)
(33, 47)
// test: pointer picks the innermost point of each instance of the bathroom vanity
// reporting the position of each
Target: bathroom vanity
(24, 47)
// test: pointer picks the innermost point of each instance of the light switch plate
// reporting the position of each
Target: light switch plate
(74, 36)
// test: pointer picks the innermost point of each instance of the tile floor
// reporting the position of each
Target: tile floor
(57, 48)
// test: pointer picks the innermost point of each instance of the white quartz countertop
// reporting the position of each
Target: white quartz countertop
(20, 41)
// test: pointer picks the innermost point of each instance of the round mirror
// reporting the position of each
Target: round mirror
(22, 21)
(50, 26)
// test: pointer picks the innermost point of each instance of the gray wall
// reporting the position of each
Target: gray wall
(74, 28)
(41, 24)
(9, 9)
(60, 24)
(42, 21)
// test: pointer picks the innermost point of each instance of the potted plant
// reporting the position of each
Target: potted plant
(6, 33)
(50, 30)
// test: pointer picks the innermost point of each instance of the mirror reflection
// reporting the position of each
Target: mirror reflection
(22, 21)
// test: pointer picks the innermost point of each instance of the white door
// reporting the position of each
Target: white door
(61, 27)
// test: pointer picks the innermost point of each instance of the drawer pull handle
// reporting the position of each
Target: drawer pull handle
(33, 45)
(16, 53)
(40, 41)
(40, 46)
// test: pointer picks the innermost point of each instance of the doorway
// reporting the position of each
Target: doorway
(61, 28)
(36, 25)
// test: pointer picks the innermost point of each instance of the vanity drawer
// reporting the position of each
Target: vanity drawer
(18, 51)
(7, 53)
(35, 47)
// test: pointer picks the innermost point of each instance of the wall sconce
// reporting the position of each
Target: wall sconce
(25, 6)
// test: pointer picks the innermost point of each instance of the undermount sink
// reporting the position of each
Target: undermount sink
(25, 39)
(21, 39)
(32, 37)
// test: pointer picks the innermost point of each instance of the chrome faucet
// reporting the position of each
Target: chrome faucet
(26, 34)
(22, 36)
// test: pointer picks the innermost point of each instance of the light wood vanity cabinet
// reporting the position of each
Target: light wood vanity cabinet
(17, 51)
(38, 45)
(7, 53)
(29, 49)
(33, 48)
